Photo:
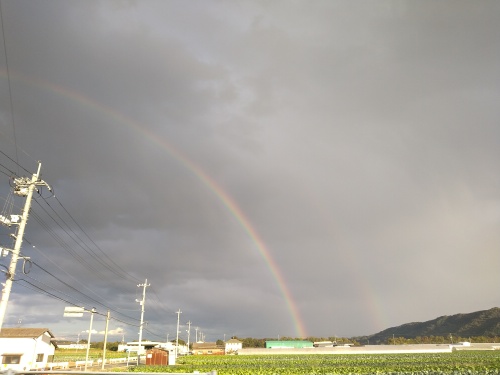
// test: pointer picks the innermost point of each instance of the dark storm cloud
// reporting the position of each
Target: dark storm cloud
(358, 139)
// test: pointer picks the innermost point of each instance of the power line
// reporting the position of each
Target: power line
(12, 173)
(24, 187)
(2, 172)
(78, 240)
(75, 254)
(7, 137)
(109, 264)
(15, 162)
(69, 286)
(64, 271)
(87, 297)
(158, 304)
(68, 296)
(117, 270)
(100, 303)
(154, 334)
(79, 291)
(95, 262)
(61, 242)
(50, 287)
(38, 289)
(43, 291)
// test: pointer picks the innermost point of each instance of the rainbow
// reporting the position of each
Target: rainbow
(197, 171)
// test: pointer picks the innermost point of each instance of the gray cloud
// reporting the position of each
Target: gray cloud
(214, 147)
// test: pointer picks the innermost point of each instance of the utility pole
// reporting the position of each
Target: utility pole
(24, 187)
(105, 341)
(177, 338)
(145, 285)
(189, 332)
(92, 312)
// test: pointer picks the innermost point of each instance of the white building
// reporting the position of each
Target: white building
(133, 347)
(233, 345)
(24, 349)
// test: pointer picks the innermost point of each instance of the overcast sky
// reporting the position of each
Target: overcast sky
(272, 168)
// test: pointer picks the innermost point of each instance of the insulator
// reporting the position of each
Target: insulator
(22, 191)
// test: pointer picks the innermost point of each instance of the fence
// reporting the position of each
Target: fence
(81, 364)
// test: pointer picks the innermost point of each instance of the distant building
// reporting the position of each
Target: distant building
(207, 348)
(170, 346)
(24, 349)
(324, 344)
(289, 344)
(232, 346)
(63, 344)
(330, 344)
(133, 347)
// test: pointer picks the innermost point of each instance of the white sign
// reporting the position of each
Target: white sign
(73, 312)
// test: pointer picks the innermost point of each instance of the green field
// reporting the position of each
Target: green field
(72, 355)
(457, 363)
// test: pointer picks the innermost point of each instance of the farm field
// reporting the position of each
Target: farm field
(456, 363)
(72, 355)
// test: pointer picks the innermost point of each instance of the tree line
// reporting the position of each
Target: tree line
(250, 342)
(439, 340)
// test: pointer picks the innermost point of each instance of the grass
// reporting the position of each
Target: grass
(73, 355)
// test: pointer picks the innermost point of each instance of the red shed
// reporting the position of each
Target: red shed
(157, 357)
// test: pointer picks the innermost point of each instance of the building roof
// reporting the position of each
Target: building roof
(234, 341)
(24, 332)
(145, 343)
(206, 345)
(65, 342)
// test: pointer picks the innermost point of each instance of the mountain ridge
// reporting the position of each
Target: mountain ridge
(478, 323)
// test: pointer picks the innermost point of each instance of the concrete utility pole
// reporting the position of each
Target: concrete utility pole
(105, 341)
(177, 338)
(188, 332)
(92, 312)
(145, 285)
(24, 187)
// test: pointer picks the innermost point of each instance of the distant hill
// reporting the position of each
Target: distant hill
(479, 323)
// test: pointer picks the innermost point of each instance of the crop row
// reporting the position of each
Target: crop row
(456, 363)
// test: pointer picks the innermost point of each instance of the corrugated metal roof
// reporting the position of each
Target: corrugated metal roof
(24, 332)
